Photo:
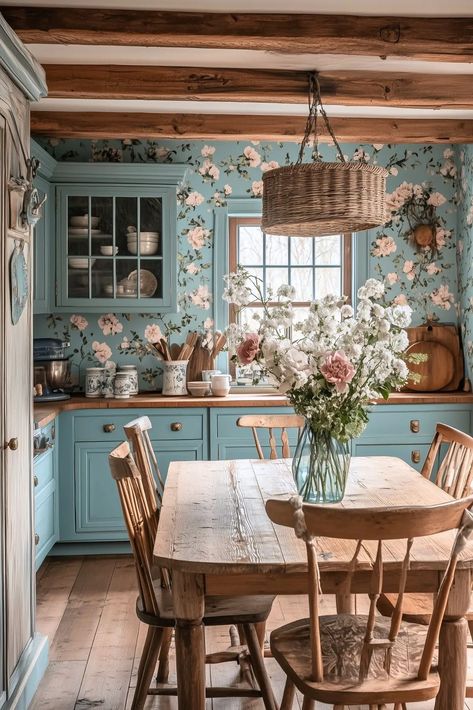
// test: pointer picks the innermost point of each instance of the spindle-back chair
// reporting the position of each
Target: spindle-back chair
(271, 422)
(155, 606)
(354, 659)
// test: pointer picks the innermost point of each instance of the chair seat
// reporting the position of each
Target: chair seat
(218, 610)
(416, 608)
(342, 640)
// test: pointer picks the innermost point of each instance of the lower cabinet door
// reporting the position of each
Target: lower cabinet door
(413, 454)
(46, 527)
(98, 514)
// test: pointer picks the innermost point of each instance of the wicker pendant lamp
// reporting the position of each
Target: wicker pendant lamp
(319, 198)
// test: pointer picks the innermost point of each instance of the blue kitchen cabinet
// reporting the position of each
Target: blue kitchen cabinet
(126, 258)
(90, 506)
(46, 495)
(43, 236)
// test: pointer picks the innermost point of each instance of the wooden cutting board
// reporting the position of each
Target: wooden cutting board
(444, 368)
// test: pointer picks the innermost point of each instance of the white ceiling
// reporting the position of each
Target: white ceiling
(434, 8)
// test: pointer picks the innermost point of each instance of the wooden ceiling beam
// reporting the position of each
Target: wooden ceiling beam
(225, 127)
(442, 39)
(349, 88)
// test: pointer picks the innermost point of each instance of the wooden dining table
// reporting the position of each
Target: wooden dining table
(216, 538)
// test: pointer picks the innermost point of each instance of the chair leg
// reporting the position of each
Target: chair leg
(147, 665)
(308, 704)
(288, 695)
(259, 668)
(163, 668)
(470, 626)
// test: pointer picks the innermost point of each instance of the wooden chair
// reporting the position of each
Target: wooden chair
(353, 659)
(271, 422)
(155, 606)
(455, 476)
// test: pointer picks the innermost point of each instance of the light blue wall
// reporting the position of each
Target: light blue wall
(464, 156)
(221, 175)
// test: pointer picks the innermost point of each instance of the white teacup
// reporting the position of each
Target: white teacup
(208, 374)
(221, 385)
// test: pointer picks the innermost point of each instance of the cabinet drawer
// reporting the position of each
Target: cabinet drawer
(227, 424)
(393, 424)
(43, 471)
(108, 426)
(412, 454)
(45, 524)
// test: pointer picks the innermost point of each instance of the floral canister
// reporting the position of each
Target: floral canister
(174, 377)
(93, 381)
(123, 385)
(108, 382)
(132, 373)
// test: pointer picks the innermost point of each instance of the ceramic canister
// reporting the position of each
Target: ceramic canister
(123, 385)
(221, 385)
(132, 372)
(174, 377)
(93, 381)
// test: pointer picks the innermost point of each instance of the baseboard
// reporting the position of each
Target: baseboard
(31, 668)
(67, 549)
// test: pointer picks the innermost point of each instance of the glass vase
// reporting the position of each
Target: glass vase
(320, 466)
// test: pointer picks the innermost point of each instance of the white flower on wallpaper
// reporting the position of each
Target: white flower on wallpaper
(153, 333)
(207, 151)
(253, 158)
(201, 297)
(192, 268)
(227, 189)
(125, 344)
(109, 324)
(257, 188)
(102, 351)
(442, 297)
(79, 322)
(209, 170)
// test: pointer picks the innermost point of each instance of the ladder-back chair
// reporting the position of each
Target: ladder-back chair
(271, 422)
(365, 659)
(155, 605)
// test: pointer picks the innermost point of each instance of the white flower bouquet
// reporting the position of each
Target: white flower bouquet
(337, 362)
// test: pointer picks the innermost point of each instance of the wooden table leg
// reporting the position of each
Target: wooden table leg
(189, 605)
(345, 603)
(452, 646)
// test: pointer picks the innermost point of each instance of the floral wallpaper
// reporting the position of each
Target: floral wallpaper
(422, 184)
(465, 250)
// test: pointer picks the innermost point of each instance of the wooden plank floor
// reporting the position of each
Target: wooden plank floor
(87, 608)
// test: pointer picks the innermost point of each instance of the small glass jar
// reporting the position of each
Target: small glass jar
(93, 381)
(132, 372)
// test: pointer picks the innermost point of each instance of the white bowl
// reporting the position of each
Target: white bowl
(108, 250)
(199, 389)
(83, 221)
(79, 262)
(151, 236)
(108, 289)
(146, 248)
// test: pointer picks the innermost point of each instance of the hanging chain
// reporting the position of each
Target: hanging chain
(314, 100)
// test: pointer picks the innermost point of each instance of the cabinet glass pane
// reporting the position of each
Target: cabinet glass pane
(126, 220)
(78, 229)
(78, 276)
(126, 281)
(102, 217)
(151, 278)
(150, 241)
(102, 278)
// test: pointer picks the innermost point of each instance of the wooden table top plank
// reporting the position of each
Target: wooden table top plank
(213, 519)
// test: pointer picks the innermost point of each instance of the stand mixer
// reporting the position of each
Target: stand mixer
(52, 370)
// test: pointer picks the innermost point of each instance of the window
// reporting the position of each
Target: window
(314, 266)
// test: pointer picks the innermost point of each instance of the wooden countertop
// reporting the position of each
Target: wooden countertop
(45, 413)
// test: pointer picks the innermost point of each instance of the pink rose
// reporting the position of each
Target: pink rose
(248, 349)
(338, 370)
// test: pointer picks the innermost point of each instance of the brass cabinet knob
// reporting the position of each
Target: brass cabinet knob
(36, 539)
(35, 481)
(12, 444)
(108, 428)
(176, 426)
(415, 426)
(415, 456)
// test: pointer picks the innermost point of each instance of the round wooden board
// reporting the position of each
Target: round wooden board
(438, 370)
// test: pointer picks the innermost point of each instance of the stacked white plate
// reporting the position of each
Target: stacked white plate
(149, 242)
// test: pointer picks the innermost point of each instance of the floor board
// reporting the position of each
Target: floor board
(87, 608)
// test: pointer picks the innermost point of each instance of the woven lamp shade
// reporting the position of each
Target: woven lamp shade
(319, 198)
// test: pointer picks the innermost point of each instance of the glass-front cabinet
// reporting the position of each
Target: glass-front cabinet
(116, 247)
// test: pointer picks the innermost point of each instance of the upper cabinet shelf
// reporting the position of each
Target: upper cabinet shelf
(115, 237)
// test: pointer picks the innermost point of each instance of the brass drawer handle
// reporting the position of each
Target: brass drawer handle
(415, 456)
(108, 428)
(36, 539)
(35, 481)
(176, 426)
(12, 444)
(415, 426)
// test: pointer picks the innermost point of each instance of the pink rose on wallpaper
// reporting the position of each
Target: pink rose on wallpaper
(79, 322)
(208, 323)
(252, 156)
(125, 344)
(433, 269)
(442, 297)
(207, 151)
(101, 351)
(385, 246)
(192, 268)
(270, 165)
(392, 278)
(436, 199)
(109, 324)
(227, 189)
(257, 188)
(400, 300)
(409, 270)
(194, 199)
(197, 236)
(338, 370)
(248, 349)
(441, 236)
(201, 297)
(209, 169)
(153, 333)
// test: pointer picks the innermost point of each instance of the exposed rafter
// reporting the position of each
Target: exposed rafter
(444, 39)
(210, 126)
